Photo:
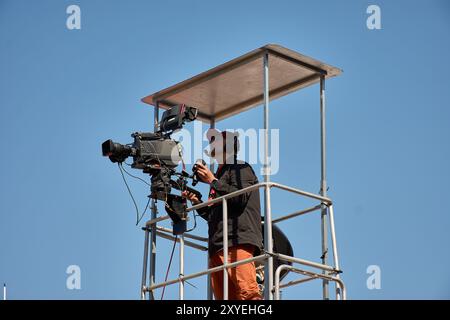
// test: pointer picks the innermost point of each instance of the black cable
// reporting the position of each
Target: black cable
(135, 177)
(190, 284)
(138, 219)
(145, 210)
(129, 191)
(170, 262)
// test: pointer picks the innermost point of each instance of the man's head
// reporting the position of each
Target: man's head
(224, 145)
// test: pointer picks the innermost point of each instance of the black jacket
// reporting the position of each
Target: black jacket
(244, 212)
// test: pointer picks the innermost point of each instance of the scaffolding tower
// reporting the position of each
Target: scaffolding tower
(227, 90)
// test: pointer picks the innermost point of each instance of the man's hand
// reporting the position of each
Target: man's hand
(191, 197)
(205, 174)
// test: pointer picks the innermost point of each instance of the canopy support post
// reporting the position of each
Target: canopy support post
(323, 187)
(268, 246)
(153, 227)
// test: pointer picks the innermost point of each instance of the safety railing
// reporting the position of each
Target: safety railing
(329, 273)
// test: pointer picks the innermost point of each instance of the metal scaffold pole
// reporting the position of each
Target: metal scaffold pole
(323, 186)
(181, 288)
(153, 227)
(268, 269)
(209, 293)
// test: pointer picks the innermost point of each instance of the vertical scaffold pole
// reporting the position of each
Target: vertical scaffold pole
(268, 268)
(144, 264)
(225, 248)
(209, 294)
(181, 288)
(323, 185)
(153, 216)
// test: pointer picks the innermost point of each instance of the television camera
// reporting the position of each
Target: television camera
(156, 154)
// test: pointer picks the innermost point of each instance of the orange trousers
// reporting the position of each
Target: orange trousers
(241, 279)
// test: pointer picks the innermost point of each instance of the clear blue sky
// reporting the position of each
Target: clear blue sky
(63, 92)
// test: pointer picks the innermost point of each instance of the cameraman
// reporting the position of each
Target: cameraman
(244, 217)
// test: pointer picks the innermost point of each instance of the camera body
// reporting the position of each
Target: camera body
(154, 151)
(148, 149)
